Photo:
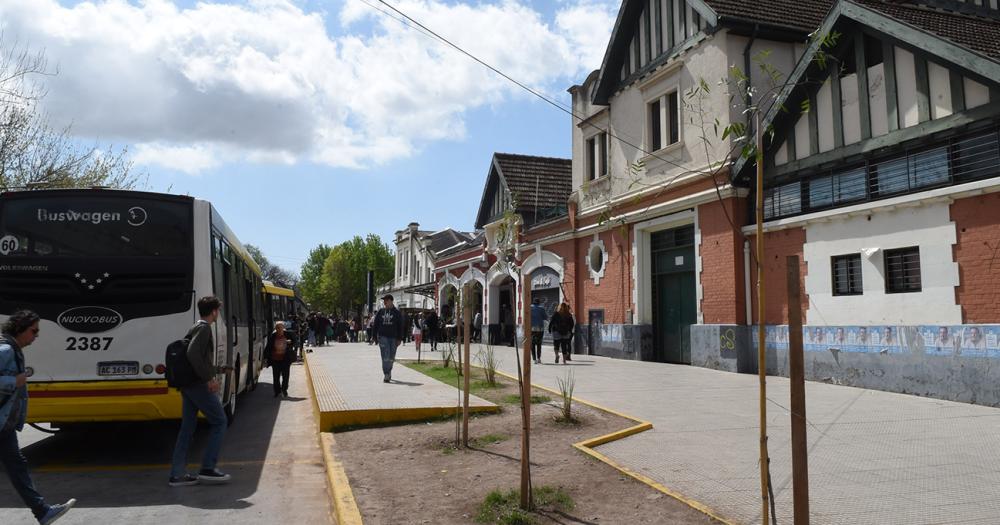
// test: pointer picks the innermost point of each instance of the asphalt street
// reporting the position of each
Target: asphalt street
(118, 472)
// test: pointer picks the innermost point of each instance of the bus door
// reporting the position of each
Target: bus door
(227, 317)
(251, 325)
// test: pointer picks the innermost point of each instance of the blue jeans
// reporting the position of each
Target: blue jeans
(17, 470)
(387, 347)
(197, 397)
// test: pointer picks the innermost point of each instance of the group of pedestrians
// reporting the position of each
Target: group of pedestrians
(562, 326)
(325, 329)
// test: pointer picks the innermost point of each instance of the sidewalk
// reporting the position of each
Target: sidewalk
(347, 379)
(875, 457)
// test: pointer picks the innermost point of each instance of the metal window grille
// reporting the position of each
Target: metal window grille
(847, 274)
(670, 239)
(974, 156)
(902, 270)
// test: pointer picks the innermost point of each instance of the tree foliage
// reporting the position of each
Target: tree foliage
(343, 281)
(311, 273)
(33, 153)
(271, 271)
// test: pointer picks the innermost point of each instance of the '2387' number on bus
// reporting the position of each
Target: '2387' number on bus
(88, 343)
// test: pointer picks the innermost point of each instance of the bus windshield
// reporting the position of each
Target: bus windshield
(94, 226)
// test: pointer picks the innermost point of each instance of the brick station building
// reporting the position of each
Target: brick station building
(887, 188)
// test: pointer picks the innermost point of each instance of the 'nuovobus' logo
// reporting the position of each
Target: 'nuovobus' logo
(89, 319)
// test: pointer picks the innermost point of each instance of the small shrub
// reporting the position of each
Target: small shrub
(487, 357)
(503, 508)
(448, 354)
(566, 386)
(515, 399)
(547, 496)
(489, 439)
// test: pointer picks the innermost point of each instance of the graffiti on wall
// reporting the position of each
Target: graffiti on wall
(963, 340)
(611, 333)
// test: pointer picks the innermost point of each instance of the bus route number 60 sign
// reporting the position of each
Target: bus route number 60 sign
(8, 244)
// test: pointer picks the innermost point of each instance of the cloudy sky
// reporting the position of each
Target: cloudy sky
(310, 121)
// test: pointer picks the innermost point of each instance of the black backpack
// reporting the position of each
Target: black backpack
(179, 371)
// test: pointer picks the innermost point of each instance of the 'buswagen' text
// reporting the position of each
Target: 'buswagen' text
(93, 217)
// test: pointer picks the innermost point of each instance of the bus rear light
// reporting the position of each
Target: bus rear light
(160, 369)
(147, 369)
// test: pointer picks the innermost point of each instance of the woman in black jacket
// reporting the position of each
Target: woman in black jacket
(562, 326)
(279, 353)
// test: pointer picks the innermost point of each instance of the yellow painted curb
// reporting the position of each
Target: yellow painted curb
(349, 418)
(344, 505)
(587, 447)
(345, 509)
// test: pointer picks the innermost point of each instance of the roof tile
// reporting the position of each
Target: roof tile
(536, 183)
(976, 33)
(798, 14)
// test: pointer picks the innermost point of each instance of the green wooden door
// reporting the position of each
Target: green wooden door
(674, 294)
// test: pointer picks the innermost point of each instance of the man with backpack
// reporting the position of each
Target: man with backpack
(390, 328)
(199, 391)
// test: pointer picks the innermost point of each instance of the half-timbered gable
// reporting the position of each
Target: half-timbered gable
(904, 101)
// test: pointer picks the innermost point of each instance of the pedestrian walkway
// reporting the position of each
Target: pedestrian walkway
(874, 457)
(347, 380)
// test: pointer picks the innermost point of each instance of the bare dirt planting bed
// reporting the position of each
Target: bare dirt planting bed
(413, 474)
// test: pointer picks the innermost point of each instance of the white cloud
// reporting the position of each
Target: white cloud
(268, 82)
(188, 159)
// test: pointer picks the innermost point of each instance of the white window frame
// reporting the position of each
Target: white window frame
(663, 100)
(592, 147)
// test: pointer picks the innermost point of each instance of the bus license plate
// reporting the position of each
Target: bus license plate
(118, 368)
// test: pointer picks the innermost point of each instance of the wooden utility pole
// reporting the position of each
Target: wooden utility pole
(467, 303)
(761, 350)
(526, 394)
(796, 365)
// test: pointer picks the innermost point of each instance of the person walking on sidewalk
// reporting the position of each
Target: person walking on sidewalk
(279, 354)
(562, 326)
(538, 318)
(311, 323)
(431, 325)
(20, 331)
(201, 396)
(477, 328)
(390, 328)
(370, 330)
(418, 332)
